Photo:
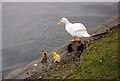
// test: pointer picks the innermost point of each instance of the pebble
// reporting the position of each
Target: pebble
(58, 65)
(62, 66)
(39, 77)
(51, 70)
(101, 61)
(56, 68)
(113, 56)
(35, 65)
(68, 54)
(50, 64)
(73, 64)
(76, 62)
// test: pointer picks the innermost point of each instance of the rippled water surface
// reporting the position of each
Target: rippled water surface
(30, 27)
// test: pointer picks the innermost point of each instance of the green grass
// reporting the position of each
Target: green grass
(105, 49)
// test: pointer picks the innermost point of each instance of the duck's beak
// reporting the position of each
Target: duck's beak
(59, 22)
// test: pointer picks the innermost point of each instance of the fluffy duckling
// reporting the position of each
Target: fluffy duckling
(56, 57)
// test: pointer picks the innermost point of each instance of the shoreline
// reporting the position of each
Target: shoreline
(19, 72)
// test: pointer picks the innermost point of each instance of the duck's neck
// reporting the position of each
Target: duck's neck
(67, 22)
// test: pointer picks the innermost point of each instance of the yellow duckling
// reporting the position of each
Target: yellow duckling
(56, 57)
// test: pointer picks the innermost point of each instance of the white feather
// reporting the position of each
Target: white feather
(75, 29)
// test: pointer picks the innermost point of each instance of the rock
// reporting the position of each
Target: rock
(35, 65)
(50, 64)
(68, 54)
(39, 77)
(101, 61)
(62, 66)
(58, 65)
(76, 62)
(56, 68)
(73, 64)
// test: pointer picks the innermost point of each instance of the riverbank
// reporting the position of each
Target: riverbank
(29, 71)
(98, 61)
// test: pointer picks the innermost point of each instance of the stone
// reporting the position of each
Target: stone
(35, 65)
(101, 61)
(73, 64)
(39, 77)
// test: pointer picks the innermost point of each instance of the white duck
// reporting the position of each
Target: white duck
(77, 30)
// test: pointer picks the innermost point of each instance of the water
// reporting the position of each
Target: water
(30, 27)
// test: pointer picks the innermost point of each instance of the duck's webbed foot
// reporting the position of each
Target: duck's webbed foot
(75, 40)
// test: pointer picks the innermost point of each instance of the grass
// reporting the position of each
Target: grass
(105, 49)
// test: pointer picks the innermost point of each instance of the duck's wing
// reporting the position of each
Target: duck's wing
(74, 28)
(80, 30)
(82, 33)
(78, 27)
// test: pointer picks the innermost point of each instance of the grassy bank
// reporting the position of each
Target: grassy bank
(101, 60)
